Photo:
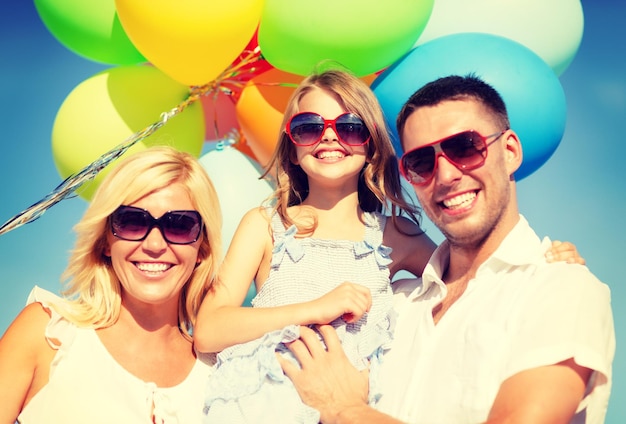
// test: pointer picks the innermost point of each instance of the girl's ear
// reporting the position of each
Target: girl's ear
(293, 157)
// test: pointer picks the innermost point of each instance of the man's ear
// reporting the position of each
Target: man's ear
(513, 152)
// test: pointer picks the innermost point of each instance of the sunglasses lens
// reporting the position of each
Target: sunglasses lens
(306, 129)
(419, 164)
(130, 224)
(177, 227)
(351, 129)
(465, 149)
(181, 227)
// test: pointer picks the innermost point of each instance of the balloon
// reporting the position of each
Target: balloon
(552, 29)
(364, 36)
(90, 29)
(260, 110)
(236, 180)
(111, 106)
(219, 115)
(531, 90)
(192, 41)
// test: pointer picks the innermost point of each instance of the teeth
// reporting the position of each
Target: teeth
(460, 200)
(153, 267)
(330, 154)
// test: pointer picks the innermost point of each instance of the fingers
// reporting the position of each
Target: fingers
(360, 302)
(564, 252)
(289, 368)
(333, 344)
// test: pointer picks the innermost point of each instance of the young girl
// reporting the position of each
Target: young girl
(323, 253)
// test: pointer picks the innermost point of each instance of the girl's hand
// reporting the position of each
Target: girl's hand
(565, 252)
(348, 300)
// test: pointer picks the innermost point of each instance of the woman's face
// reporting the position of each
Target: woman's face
(153, 271)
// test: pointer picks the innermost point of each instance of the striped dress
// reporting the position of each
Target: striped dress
(248, 385)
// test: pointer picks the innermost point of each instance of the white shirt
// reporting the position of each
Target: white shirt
(518, 313)
(87, 385)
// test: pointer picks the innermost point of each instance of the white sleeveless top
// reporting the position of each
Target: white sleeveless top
(87, 385)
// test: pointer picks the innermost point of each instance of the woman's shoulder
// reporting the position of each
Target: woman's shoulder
(26, 336)
(33, 319)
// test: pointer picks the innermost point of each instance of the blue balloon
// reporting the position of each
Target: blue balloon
(531, 90)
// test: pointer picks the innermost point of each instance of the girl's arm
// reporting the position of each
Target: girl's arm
(223, 322)
(409, 252)
(25, 358)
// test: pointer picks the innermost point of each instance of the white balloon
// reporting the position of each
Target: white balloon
(553, 29)
(236, 180)
(239, 189)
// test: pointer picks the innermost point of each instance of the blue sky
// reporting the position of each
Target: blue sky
(578, 195)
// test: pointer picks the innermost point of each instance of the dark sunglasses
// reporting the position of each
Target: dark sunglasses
(466, 151)
(134, 224)
(308, 128)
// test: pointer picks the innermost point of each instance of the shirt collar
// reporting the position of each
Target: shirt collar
(520, 247)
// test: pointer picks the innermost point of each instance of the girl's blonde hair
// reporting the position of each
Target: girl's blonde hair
(92, 288)
(379, 185)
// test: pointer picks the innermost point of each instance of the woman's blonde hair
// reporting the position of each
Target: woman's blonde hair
(379, 185)
(92, 287)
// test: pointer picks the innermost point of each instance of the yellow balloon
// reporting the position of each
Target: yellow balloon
(192, 41)
(107, 109)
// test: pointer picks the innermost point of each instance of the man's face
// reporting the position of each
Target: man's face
(467, 206)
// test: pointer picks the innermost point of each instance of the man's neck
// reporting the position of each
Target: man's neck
(464, 262)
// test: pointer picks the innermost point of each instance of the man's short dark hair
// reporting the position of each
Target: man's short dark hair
(454, 87)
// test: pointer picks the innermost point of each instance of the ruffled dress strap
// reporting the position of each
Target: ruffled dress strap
(59, 331)
(284, 242)
(373, 241)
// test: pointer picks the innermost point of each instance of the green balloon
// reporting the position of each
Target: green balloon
(364, 36)
(114, 105)
(90, 29)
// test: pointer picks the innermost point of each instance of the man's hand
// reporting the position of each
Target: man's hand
(327, 380)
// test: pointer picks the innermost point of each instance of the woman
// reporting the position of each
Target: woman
(117, 348)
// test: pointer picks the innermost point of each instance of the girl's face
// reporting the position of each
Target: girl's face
(153, 271)
(329, 162)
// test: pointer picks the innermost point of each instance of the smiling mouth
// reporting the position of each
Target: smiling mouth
(152, 266)
(460, 201)
(330, 154)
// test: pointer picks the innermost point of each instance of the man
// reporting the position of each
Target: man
(491, 333)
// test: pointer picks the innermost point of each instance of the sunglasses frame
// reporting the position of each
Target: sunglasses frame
(436, 145)
(156, 222)
(328, 123)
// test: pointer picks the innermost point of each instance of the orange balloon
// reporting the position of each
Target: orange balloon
(260, 110)
(243, 146)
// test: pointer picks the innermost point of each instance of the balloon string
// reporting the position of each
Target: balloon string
(74, 181)
(230, 76)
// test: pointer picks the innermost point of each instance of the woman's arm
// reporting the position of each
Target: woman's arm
(223, 322)
(25, 358)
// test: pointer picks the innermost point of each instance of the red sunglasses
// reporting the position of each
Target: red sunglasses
(308, 128)
(466, 150)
